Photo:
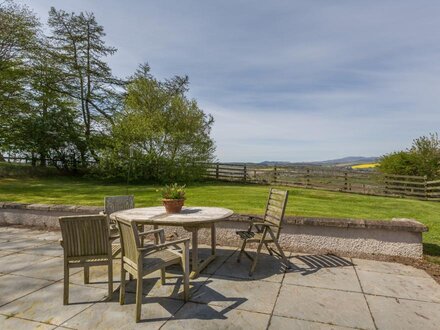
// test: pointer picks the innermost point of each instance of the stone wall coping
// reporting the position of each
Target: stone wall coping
(396, 224)
(51, 207)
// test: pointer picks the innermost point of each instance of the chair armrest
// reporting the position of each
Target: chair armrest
(154, 231)
(112, 238)
(252, 219)
(264, 224)
(163, 245)
(177, 241)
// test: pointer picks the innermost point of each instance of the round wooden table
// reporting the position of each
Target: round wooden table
(192, 219)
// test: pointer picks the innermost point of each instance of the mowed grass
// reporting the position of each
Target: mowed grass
(249, 199)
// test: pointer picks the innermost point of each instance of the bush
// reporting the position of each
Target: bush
(423, 158)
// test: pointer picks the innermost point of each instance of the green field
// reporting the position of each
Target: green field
(238, 197)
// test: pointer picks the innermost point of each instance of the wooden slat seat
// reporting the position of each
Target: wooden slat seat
(268, 229)
(157, 259)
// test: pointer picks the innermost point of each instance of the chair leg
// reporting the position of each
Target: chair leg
(122, 288)
(268, 249)
(86, 274)
(243, 245)
(138, 296)
(254, 263)
(110, 279)
(162, 276)
(66, 284)
(282, 254)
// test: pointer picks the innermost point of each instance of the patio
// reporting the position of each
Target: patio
(319, 292)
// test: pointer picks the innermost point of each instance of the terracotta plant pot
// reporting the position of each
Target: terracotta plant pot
(173, 205)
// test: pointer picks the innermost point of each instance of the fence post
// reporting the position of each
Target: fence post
(345, 181)
(244, 173)
(274, 174)
(426, 187)
(308, 178)
(216, 171)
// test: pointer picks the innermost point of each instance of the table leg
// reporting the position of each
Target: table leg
(195, 253)
(162, 270)
(197, 266)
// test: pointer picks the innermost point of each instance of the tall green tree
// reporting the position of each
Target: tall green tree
(19, 29)
(79, 47)
(161, 134)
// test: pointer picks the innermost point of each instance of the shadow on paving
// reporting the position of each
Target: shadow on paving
(317, 262)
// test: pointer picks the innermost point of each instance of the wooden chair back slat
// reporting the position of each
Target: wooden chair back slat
(85, 235)
(118, 203)
(275, 209)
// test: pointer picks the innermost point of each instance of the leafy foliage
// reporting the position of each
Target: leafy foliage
(423, 158)
(173, 191)
(161, 134)
(59, 99)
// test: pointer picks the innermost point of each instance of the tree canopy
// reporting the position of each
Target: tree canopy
(60, 100)
(161, 134)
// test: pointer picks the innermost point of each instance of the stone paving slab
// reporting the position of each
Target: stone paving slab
(13, 287)
(268, 268)
(17, 261)
(400, 286)
(388, 268)
(7, 252)
(391, 313)
(337, 278)
(322, 305)
(22, 244)
(50, 269)
(207, 316)
(51, 250)
(284, 323)
(7, 322)
(319, 292)
(45, 305)
(112, 315)
(257, 296)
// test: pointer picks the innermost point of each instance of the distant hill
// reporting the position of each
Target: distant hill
(346, 161)
(349, 160)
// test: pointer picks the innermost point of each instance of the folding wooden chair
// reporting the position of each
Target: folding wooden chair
(267, 229)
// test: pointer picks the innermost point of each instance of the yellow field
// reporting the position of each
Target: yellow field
(363, 166)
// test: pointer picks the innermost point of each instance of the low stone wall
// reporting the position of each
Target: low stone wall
(401, 238)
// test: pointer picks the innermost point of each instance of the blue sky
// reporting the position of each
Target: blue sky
(288, 80)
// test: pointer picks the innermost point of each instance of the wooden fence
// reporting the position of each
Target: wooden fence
(330, 178)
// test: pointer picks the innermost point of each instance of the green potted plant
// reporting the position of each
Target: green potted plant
(173, 197)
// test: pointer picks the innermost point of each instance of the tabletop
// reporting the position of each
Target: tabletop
(188, 216)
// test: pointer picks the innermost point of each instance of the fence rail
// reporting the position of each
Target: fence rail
(56, 162)
(355, 181)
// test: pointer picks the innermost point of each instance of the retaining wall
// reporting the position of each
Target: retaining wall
(399, 238)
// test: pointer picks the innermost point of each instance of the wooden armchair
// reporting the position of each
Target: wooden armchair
(86, 242)
(139, 260)
(267, 230)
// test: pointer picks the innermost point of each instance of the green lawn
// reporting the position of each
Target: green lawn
(238, 197)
